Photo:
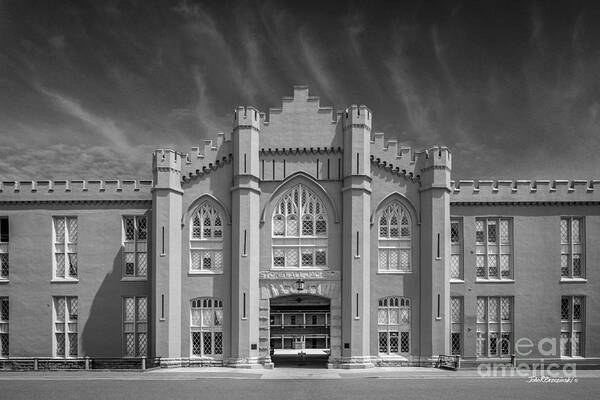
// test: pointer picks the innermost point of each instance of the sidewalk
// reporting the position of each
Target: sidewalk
(277, 373)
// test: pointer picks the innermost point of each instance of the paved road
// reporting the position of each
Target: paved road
(289, 385)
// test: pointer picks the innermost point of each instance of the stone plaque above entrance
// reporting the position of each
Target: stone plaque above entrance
(321, 275)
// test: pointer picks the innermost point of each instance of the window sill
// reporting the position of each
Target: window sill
(479, 280)
(457, 280)
(64, 280)
(205, 273)
(4, 280)
(134, 278)
(573, 280)
(386, 272)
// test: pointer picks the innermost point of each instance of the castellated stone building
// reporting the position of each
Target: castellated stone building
(300, 232)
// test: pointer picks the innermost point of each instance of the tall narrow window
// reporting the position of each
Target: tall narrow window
(135, 246)
(206, 327)
(393, 325)
(572, 248)
(206, 240)
(493, 242)
(135, 326)
(4, 236)
(456, 325)
(395, 239)
(494, 326)
(299, 228)
(456, 245)
(4, 326)
(65, 326)
(572, 318)
(65, 247)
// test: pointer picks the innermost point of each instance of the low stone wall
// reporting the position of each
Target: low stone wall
(85, 363)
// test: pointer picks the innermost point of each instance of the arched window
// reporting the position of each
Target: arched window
(395, 239)
(206, 327)
(393, 324)
(299, 227)
(206, 239)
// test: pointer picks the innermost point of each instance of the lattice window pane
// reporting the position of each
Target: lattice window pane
(129, 344)
(60, 264)
(291, 257)
(564, 230)
(505, 266)
(4, 344)
(493, 309)
(197, 343)
(481, 311)
(492, 231)
(292, 225)
(307, 258)
(218, 261)
(60, 344)
(479, 232)
(393, 315)
(565, 344)
(505, 309)
(196, 260)
(142, 309)
(72, 265)
(129, 228)
(455, 343)
(4, 309)
(278, 225)
(455, 309)
(565, 308)
(321, 257)
(307, 226)
(59, 229)
(577, 344)
(404, 342)
(4, 266)
(383, 259)
(142, 264)
(504, 231)
(72, 228)
(383, 228)
(206, 260)
(278, 258)
(480, 266)
(383, 342)
(218, 343)
(404, 260)
(455, 266)
(207, 342)
(73, 307)
(218, 317)
(196, 317)
(73, 344)
(196, 228)
(505, 344)
(575, 234)
(394, 342)
(60, 305)
(564, 265)
(454, 232)
(577, 308)
(129, 309)
(493, 343)
(493, 266)
(321, 226)
(142, 228)
(393, 259)
(382, 316)
(577, 266)
(142, 344)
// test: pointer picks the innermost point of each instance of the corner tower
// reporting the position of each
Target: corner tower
(245, 200)
(167, 196)
(435, 165)
(356, 200)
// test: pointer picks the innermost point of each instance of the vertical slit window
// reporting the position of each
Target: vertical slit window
(4, 238)
(572, 254)
(456, 325)
(4, 319)
(456, 249)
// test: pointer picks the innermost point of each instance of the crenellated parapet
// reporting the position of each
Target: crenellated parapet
(357, 117)
(209, 157)
(524, 191)
(75, 190)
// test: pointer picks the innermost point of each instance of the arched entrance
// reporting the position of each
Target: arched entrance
(299, 327)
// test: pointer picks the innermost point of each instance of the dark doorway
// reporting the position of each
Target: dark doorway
(299, 326)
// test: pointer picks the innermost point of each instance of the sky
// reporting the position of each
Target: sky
(88, 89)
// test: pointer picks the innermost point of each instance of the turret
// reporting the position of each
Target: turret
(166, 167)
(357, 140)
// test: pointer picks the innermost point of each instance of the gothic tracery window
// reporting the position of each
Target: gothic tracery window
(299, 228)
(206, 239)
(395, 239)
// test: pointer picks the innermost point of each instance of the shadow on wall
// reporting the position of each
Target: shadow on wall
(101, 335)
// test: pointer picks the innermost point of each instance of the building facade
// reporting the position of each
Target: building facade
(300, 231)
